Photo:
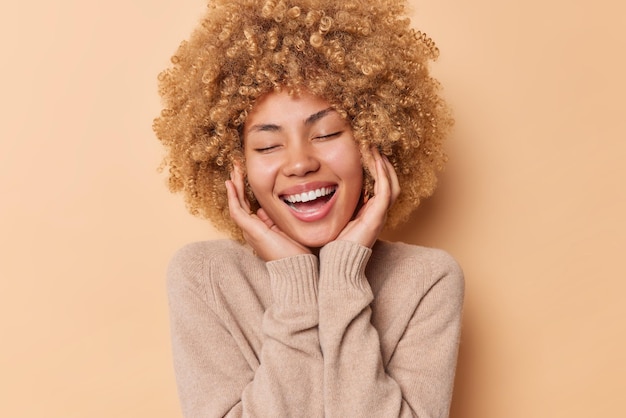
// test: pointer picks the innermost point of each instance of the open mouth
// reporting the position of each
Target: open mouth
(310, 201)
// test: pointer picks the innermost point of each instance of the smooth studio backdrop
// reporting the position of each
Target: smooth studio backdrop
(532, 205)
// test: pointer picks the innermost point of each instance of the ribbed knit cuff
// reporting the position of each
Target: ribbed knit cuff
(342, 266)
(294, 280)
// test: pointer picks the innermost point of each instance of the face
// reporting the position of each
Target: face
(303, 166)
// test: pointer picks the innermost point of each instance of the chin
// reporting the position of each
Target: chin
(316, 242)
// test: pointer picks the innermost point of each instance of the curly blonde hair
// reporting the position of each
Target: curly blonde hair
(361, 56)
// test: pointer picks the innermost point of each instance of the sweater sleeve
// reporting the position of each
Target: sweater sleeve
(417, 381)
(214, 376)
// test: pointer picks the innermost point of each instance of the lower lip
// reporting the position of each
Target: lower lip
(316, 215)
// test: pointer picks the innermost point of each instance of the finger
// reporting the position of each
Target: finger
(263, 216)
(375, 156)
(237, 212)
(382, 187)
(393, 177)
(234, 205)
(374, 169)
(369, 161)
(238, 180)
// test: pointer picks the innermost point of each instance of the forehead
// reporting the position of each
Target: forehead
(281, 108)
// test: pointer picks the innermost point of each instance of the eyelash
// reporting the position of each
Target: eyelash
(329, 135)
(266, 149)
(271, 147)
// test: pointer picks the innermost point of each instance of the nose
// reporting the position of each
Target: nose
(300, 160)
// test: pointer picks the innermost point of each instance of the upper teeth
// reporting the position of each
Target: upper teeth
(308, 196)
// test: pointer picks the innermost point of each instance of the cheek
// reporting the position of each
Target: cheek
(347, 163)
(260, 178)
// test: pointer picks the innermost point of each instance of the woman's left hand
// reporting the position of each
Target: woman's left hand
(370, 220)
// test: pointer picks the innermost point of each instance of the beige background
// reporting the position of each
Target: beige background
(532, 205)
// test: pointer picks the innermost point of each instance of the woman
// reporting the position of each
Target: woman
(303, 128)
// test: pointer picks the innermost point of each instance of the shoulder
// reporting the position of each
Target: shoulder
(195, 255)
(193, 264)
(207, 250)
(430, 265)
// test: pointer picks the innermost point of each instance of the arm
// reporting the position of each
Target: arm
(215, 376)
(418, 380)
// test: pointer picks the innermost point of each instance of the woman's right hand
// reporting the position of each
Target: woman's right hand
(259, 230)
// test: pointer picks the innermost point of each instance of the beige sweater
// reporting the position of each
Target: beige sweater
(357, 332)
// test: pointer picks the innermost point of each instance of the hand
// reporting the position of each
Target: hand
(370, 220)
(259, 231)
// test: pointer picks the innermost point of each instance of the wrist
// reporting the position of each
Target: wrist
(342, 265)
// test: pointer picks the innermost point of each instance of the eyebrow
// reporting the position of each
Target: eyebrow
(270, 127)
(317, 116)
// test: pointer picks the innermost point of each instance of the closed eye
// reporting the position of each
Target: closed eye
(334, 134)
(263, 150)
